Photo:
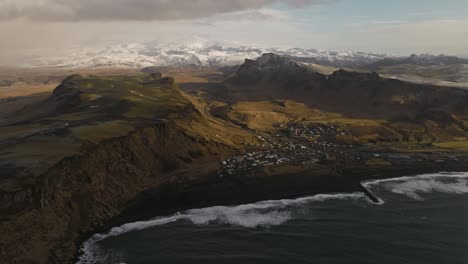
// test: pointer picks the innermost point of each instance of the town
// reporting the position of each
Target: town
(301, 145)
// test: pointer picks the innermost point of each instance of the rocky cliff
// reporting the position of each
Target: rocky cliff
(84, 191)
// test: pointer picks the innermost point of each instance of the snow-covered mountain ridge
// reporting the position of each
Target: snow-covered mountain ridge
(139, 55)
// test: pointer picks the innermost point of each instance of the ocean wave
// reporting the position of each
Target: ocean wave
(276, 212)
(260, 214)
(414, 187)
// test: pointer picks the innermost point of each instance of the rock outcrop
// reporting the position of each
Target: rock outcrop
(270, 68)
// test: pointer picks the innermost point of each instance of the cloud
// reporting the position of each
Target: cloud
(131, 10)
(258, 15)
(448, 36)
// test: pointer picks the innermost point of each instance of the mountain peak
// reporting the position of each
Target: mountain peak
(270, 62)
(199, 53)
(269, 67)
(270, 59)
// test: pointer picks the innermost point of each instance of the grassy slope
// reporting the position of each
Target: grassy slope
(85, 111)
(459, 145)
(108, 107)
(265, 116)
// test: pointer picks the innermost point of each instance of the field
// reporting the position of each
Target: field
(265, 114)
(461, 145)
(98, 132)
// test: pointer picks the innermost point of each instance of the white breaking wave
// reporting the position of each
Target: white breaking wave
(413, 187)
(260, 214)
(277, 212)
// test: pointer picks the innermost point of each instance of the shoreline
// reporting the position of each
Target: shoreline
(213, 191)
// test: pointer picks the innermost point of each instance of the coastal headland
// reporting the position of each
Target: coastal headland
(102, 150)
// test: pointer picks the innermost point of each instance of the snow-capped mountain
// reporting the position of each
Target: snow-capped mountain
(139, 55)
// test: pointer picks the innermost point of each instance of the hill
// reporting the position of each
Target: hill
(74, 160)
(353, 93)
(398, 109)
(83, 112)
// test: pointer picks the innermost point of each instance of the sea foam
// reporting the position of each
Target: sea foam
(414, 187)
(254, 215)
(276, 212)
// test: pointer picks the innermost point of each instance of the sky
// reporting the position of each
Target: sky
(400, 27)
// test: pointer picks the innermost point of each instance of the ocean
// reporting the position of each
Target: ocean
(422, 219)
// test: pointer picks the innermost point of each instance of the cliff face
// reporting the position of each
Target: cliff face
(82, 192)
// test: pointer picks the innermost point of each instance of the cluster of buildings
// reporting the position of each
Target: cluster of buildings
(315, 130)
(278, 152)
(304, 145)
(254, 160)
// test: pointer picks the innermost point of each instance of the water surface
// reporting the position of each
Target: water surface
(420, 219)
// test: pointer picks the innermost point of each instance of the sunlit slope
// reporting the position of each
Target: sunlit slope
(85, 111)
